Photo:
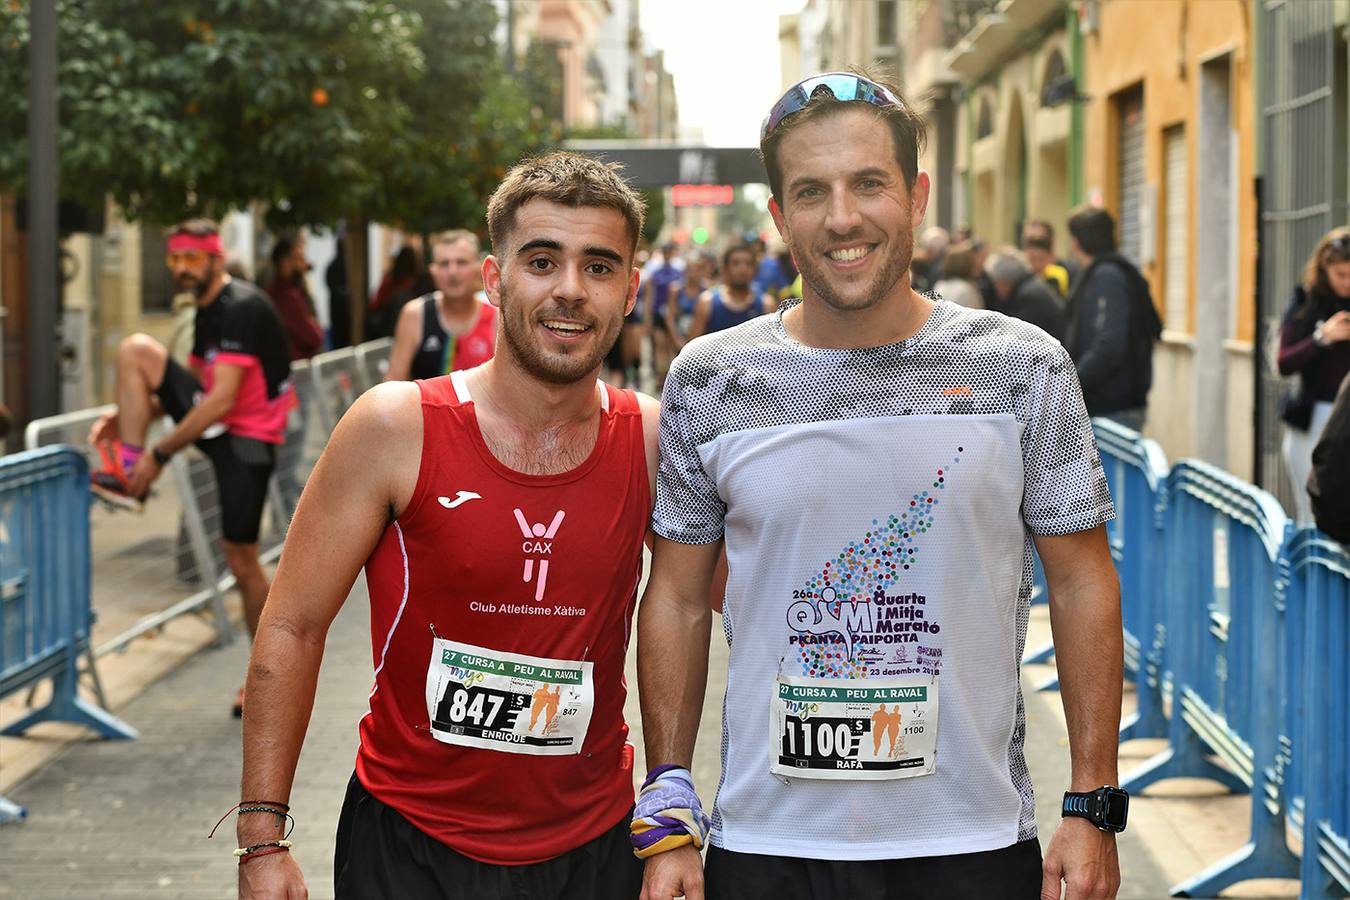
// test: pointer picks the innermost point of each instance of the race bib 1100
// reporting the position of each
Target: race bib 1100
(506, 701)
(872, 729)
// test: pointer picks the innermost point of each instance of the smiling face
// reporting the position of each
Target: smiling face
(846, 211)
(564, 288)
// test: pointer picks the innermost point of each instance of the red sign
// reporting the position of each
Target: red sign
(702, 194)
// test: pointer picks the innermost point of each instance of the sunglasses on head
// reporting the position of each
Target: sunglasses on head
(1340, 243)
(843, 86)
(191, 257)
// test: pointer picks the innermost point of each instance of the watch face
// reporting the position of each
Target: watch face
(1117, 804)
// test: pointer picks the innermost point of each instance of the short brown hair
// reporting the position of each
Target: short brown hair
(959, 261)
(454, 236)
(566, 178)
(909, 131)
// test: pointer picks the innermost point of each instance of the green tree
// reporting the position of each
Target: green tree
(319, 109)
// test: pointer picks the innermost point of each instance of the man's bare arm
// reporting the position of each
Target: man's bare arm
(673, 626)
(1089, 653)
(407, 333)
(343, 512)
(1089, 650)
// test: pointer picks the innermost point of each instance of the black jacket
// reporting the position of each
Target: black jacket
(1112, 327)
(1034, 301)
(1329, 483)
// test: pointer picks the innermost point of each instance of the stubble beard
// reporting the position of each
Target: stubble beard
(554, 368)
(890, 274)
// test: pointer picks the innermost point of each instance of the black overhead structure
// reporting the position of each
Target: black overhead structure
(650, 164)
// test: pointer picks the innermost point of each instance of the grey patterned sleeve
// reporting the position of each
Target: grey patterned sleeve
(688, 508)
(1064, 487)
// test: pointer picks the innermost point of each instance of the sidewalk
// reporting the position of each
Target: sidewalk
(129, 819)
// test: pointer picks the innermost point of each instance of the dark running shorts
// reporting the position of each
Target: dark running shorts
(382, 855)
(1012, 873)
(242, 465)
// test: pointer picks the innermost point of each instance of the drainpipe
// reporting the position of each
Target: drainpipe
(1075, 107)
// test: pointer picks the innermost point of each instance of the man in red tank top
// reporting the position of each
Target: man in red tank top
(500, 527)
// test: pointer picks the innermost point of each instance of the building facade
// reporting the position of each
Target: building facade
(1170, 148)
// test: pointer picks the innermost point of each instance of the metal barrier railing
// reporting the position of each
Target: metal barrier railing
(1318, 718)
(45, 609)
(160, 554)
(338, 381)
(1136, 473)
(168, 551)
(1221, 621)
(372, 358)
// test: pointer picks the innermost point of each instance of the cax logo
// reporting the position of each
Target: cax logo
(537, 547)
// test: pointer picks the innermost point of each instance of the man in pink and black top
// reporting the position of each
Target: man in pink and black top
(231, 401)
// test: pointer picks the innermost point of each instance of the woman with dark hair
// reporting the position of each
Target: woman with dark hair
(399, 284)
(1315, 345)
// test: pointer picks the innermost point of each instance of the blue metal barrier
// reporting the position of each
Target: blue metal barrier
(1136, 472)
(44, 585)
(1319, 582)
(1222, 625)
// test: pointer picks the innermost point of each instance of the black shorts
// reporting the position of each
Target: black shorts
(381, 855)
(1012, 873)
(242, 465)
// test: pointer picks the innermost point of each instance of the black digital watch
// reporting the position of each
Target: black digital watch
(1107, 807)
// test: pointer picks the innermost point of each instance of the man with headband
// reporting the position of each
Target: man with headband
(232, 404)
(932, 449)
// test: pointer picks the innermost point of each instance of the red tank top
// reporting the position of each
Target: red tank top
(499, 602)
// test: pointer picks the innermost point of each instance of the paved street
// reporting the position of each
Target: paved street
(129, 819)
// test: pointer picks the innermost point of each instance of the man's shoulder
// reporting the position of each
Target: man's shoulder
(981, 331)
(710, 352)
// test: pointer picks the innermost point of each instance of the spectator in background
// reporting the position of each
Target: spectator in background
(1315, 345)
(290, 295)
(771, 277)
(1112, 323)
(958, 281)
(399, 285)
(982, 279)
(735, 301)
(1038, 246)
(920, 271)
(1020, 294)
(231, 401)
(678, 315)
(339, 300)
(936, 240)
(1329, 483)
(449, 328)
(658, 291)
(788, 267)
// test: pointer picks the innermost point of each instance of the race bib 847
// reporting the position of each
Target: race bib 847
(507, 701)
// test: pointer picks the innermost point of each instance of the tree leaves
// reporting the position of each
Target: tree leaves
(319, 109)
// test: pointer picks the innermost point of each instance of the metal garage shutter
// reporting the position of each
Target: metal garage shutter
(1130, 172)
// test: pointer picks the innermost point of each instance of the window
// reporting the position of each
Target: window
(984, 123)
(886, 24)
(1052, 84)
